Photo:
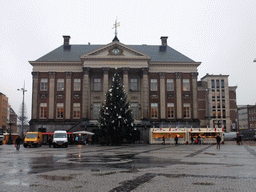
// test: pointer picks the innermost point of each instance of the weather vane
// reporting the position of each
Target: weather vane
(115, 26)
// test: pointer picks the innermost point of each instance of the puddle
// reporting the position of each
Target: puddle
(17, 183)
(56, 177)
(203, 183)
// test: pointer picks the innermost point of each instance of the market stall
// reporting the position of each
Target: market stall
(206, 135)
(167, 135)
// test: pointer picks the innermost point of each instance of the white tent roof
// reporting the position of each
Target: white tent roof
(83, 132)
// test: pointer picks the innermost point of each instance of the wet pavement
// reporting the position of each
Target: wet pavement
(129, 168)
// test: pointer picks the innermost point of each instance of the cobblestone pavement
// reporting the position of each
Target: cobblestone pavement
(130, 168)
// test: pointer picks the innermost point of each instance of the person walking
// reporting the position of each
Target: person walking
(176, 140)
(17, 142)
(199, 139)
(50, 141)
(192, 140)
(163, 140)
(218, 139)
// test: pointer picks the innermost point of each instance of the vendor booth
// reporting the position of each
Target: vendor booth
(200, 135)
(167, 135)
(206, 135)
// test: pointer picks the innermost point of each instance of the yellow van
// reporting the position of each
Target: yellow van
(33, 139)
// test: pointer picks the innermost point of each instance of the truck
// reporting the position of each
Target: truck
(33, 139)
(60, 138)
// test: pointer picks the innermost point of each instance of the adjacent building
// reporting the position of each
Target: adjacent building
(3, 111)
(217, 102)
(247, 117)
(70, 82)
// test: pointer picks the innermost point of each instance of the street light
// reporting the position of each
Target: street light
(22, 118)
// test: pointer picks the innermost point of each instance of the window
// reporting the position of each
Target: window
(186, 85)
(218, 104)
(214, 113)
(76, 111)
(223, 93)
(213, 104)
(170, 85)
(170, 110)
(222, 83)
(77, 84)
(60, 110)
(186, 110)
(97, 84)
(153, 84)
(96, 110)
(43, 110)
(224, 114)
(223, 103)
(134, 84)
(213, 83)
(44, 84)
(219, 114)
(218, 83)
(154, 110)
(134, 107)
(60, 84)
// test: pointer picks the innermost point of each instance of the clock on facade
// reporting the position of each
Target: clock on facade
(115, 51)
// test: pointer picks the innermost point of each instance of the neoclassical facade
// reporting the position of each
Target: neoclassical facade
(70, 82)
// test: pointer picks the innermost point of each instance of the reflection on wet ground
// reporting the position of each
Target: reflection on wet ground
(103, 162)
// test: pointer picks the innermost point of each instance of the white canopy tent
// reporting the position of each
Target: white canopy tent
(83, 133)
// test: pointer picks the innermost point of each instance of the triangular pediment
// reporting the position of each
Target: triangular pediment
(115, 50)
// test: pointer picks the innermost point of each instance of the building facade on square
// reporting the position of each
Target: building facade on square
(247, 117)
(3, 111)
(70, 82)
(217, 102)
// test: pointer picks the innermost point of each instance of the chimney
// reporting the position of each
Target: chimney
(163, 47)
(66, 45)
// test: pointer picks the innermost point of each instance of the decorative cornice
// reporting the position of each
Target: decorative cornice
(56, 63)
(112, 58)
(180, 64)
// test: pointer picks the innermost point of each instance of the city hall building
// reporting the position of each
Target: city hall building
(70, 82)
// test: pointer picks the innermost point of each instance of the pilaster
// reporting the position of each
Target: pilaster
(68, 95)
(105, 80)
(162, 95)
(86, 93)
(194, 92)
(126, 79)
(51, 94)
(178, 95)
(34, 94)
(145, 93)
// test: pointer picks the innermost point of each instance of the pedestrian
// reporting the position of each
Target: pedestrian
(176, 139)
(17, 142)
(218, 139)
(50, 141)
(240, 140)
(199, 139)
(192, 140)
(163, 140)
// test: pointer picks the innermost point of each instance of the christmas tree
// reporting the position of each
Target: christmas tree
(116, 120)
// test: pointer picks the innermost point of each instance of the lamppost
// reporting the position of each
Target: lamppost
(22, 118)
(10, 141)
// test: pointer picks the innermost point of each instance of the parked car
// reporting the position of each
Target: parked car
(254, 137)
(33, 139)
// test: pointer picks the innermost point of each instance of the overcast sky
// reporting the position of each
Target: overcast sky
(221, 34)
